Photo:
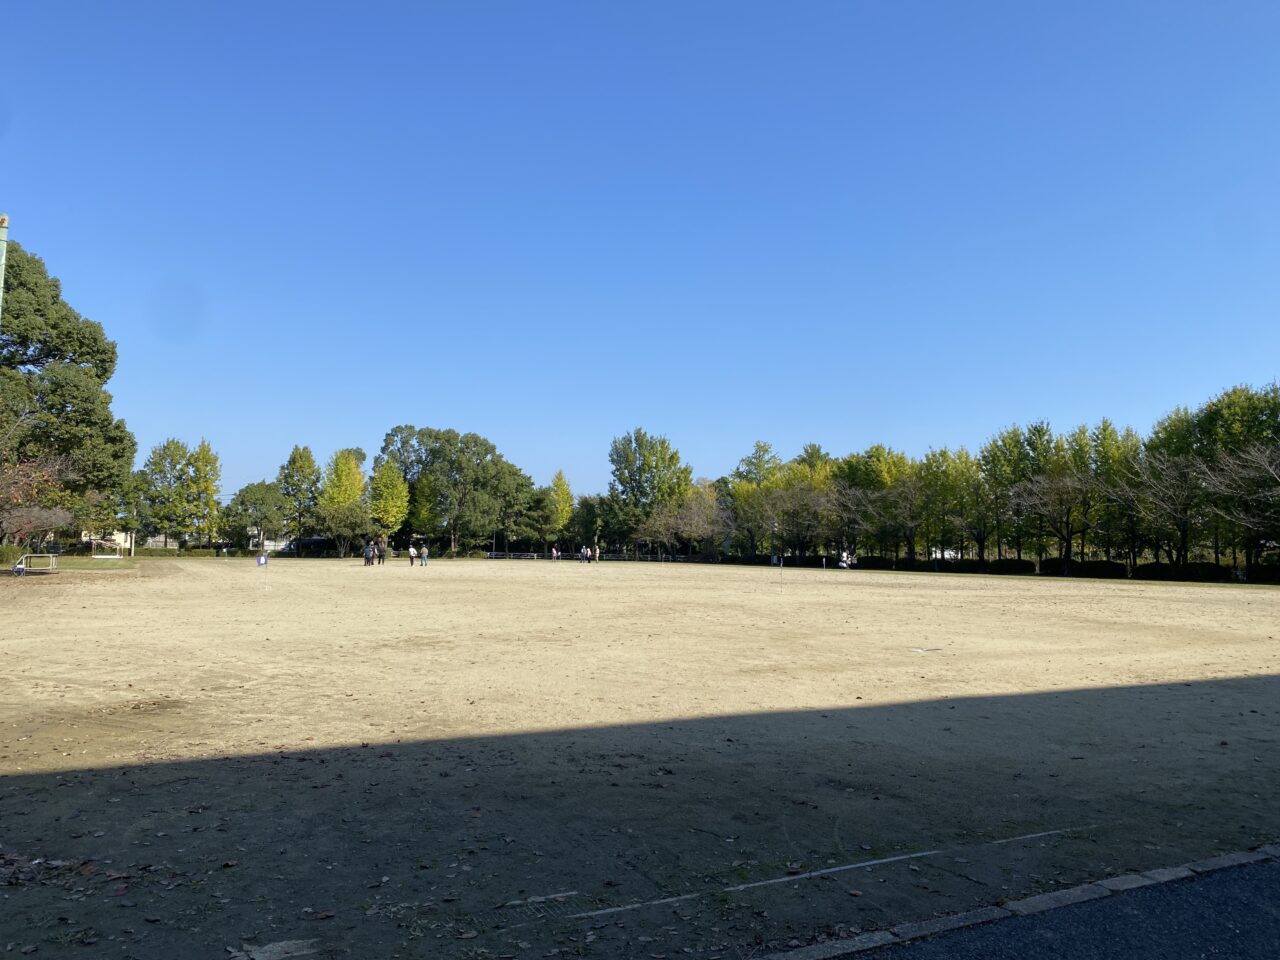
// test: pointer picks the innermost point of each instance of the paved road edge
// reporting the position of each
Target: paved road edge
(1094, 890)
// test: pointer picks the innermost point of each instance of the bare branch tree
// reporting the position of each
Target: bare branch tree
(1247, 487)
(1168, 491)
(855, 510)
(1063, 499)
(27, 523)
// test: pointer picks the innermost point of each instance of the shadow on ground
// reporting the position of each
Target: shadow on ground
(522, 845)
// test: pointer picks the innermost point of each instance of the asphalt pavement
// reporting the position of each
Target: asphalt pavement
(1232, 913)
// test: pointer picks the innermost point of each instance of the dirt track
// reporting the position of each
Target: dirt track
(403, 761)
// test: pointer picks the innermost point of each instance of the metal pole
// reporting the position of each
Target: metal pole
(4, 247)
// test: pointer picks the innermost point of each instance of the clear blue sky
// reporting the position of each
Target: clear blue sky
(549, 223)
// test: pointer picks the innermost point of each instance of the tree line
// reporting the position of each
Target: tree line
(1202, 487)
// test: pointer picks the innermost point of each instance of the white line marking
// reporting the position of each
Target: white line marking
(632, 906)
(549, 896)
(828, 870)
(792, 878)
(1034, 836)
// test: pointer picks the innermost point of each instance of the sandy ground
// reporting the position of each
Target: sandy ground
(527, 759)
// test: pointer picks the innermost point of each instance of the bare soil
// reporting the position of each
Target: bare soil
(531, 759)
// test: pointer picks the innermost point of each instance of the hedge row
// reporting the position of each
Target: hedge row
(1008, 566)
(1199, 572)
(875, 563)
(198, 552)
(1102, 569)
(1266, 573)
(1011, 565)
(1098, 569)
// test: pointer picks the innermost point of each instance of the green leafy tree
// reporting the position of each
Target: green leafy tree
(647, 474)
(893, 498)
(341, 504)
(299, 483)
(1005, 464)
(455, 481)
(168, 495)
(853, 490)
(587, 523)
(747, 500)
(1062, 492)
(797, 503)
(388, 498)
(1118, 528)
(942, 502)
(561, 505)
(204, 474)
(131, 513)
(514, 493)
(701, 520)
(54, 366)
(462, 474)
(550, 510)
(977, 508)
(1236, 419)
(1234, 432)
(257, 513)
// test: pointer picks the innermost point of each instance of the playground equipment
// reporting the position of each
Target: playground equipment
(36, 563)
(105, 550)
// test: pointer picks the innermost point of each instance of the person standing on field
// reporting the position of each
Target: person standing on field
(413, 555)
(422, 557)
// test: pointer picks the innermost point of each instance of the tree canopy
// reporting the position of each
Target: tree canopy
(341, 503)
(55, 410)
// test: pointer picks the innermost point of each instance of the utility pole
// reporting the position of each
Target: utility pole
(4, 247)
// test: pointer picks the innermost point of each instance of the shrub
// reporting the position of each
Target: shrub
(1102, 569)
(875, 563)
(813, 560)
(1195, 572)
(9, 554)
(925, 565)
(1263, 573)
(968, 566)
(1011, 565)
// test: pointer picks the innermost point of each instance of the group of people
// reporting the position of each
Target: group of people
(585, 554)
(375, 553)
(847, 560)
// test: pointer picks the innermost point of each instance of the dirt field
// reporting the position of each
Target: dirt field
(527, 759)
